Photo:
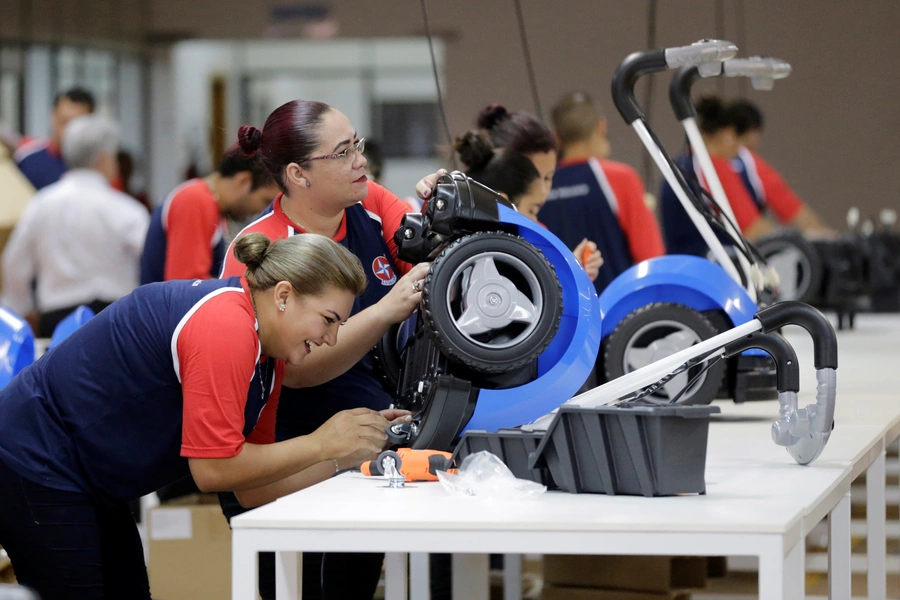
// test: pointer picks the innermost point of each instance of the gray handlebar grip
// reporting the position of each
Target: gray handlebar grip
(762, 71)
(699, 53)
(812, 425)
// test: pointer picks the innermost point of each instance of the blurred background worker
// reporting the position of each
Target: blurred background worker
(523, 133)
(595, 198)
(40, 160)
(768, 189)
(78, 238)
(720, 136)
(515, 177)
(187, 235)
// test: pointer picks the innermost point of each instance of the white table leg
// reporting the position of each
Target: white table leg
(419, 576)
(512, 577)
(876, 542)
(783, 576)
(243, 570)
(395, 565)
(288, 575)
(470, 577)
(839, 550)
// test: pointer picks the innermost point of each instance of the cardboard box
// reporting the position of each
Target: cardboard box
(552, 592)
(635, 573)
(190, 553)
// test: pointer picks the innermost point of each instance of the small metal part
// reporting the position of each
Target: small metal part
(394, 477)
(409, 233)
(440, 204)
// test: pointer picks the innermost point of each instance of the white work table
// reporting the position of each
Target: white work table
(758, 502)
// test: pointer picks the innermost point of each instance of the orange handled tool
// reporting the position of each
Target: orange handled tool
(586, 254)
(414, 465)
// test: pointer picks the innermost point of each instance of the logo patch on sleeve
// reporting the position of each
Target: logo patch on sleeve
(383, 271)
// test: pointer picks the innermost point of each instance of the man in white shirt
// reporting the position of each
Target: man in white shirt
(80, 239)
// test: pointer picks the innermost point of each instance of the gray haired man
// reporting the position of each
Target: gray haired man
(80, 239)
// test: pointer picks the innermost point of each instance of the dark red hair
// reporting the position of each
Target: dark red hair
(516, 131)
(290, 135)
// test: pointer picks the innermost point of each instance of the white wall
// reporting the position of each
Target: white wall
(348, 74)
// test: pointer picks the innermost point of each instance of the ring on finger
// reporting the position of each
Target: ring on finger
(417, 286)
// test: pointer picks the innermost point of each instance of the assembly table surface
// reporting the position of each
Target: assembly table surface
(753, 486)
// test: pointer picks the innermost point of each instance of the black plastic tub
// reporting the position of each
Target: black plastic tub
(634, 450)
(513, 446)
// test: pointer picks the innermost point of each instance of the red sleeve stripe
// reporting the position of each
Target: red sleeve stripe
(188, 315)
(167, 203)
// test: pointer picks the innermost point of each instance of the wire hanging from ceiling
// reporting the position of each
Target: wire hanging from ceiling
(532, 80)
(719, 14)
(437, 83)
(741, 40)
(647, 162)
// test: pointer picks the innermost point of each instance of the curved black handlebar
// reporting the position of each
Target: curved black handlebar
(787, 368)
(797, 313)
(705, 54)
(680, 92)
(630, 70)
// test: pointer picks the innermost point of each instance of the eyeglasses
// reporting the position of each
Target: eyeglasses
(359, 146)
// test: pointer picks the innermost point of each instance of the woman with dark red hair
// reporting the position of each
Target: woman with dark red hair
(316, 158)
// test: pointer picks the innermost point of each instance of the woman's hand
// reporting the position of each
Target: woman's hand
(426, 184)
(404, 297)
(356, 432)
(394, 416)
(590, 258)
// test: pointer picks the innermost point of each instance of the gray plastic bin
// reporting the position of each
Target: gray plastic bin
(633, 450)
(512, 446)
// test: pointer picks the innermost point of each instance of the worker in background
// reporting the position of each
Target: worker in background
(768, 189)
(175, 379)
(525, 134)
(596, 198)
(514, 177)
(317, 159)
(41, 160)
(78, 238)
(187, 232)
(720, 136)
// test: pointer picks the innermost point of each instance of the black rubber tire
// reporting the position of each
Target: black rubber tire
(398, 462)
(440, 322)
(773, 243)
(617, 342)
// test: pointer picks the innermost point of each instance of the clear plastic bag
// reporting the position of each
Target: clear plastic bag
(484, 475)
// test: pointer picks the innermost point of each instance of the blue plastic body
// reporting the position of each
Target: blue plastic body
(566, 363)
(681, 279)
(689, 280)
(16, 345)
(67, 326)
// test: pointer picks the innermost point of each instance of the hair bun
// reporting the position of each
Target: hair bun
(252, 249)
(475, 150)
(249, 138)
(491, 115)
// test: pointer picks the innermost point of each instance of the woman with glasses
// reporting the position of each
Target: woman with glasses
(316, 158)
